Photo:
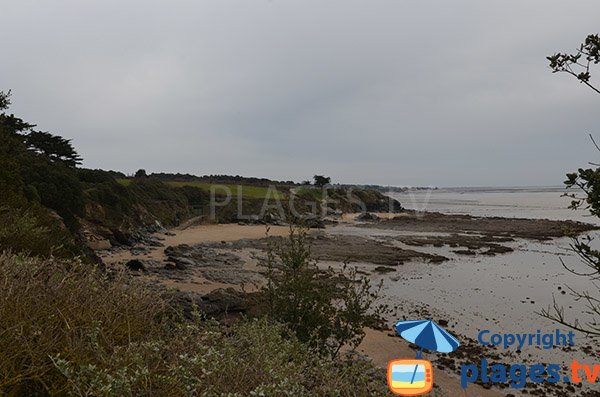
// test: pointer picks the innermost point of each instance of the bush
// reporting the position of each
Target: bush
(326, 309)
(31, 229)
(90, 176)
(195, 196)
(60, 308)
(254, 358)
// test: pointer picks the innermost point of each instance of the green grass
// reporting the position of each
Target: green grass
(246, 190)
(257, 192)
(310, 193)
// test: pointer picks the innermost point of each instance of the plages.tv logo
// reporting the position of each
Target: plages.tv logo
(414, 377)
(410, 377)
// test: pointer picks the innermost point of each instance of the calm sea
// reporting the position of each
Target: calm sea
(519, 202)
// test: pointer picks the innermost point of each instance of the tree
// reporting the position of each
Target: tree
(587, 181)
(37, 167)
(321, 180)
(578, 64)
(54, 147)
(4, 100)
(141, 173)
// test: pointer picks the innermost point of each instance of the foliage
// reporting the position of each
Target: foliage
(326, 309)
(56, 184)
(35, 189)
(40, 180)
(587, 182)
(91, 177)
(70, 329)
(197, 198)
(163, 202)
(321, 180)
(578, 64)
(31, 230)
(141, 202)
(141, 173)
(52, 307)
(38, 163)
(43, 188)
(53, 147)
(311, 193)
(4, 100)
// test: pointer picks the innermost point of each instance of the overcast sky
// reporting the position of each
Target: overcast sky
(444, 93)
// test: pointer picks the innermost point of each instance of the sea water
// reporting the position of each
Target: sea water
(513, 202)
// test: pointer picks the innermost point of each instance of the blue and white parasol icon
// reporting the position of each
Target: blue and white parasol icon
(427, 335)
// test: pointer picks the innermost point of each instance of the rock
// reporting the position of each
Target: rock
(384, 269)
(98, 244)
(367, 216)
(135, 265)
(159, 228)
(314, 223)
(249, 220)
(170, 266)
(218, 302)
(181, 263)
(153, 242)
(334, 213)
(179, 250)
(121, 237)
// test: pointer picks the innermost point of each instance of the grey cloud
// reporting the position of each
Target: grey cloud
(390, 92)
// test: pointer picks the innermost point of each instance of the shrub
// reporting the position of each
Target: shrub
(31, 229)
(326, 309)
(52, 307)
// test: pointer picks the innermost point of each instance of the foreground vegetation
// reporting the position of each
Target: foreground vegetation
(68, 329)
